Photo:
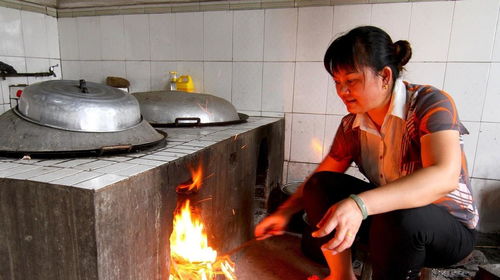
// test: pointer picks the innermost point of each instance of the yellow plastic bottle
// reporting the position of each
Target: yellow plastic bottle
(185, 83)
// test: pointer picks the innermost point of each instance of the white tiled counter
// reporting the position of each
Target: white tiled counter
(110, 217)
(98, 172)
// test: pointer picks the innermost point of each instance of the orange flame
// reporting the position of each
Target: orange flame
(194, 184)
(188, 241)
(191, 257)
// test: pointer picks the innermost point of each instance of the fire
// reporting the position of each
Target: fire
(191, 257)
(194, 184)
(188, 241)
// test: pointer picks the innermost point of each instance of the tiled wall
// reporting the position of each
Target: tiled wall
(268, 62)
(29, 42)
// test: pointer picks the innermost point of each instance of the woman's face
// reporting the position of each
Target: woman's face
(361, 90)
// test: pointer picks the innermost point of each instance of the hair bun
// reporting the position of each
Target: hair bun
(402, 51)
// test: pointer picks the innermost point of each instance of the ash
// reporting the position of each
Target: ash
(465, 270)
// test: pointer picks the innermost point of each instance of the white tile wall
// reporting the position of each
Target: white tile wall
(112, 37)
(35, 35)
(346, 17)
(280, 31)
(314, 33)
(288, 135)
(490, 111)
(487, 162)
(68, 36)
(248, 35)
(71, 69)
(247, 85)
(277, 86)
(466, 83)
(496, 48)
(137, 37)
(113, 68)
(218, 36)
(139, 75)
(393, 18)
(311, 83)
(52, 37)
(91, 71)
(162, 29)
(430, 22)
(189, 36)
(89, 38)
(218, 78)
(478, 20)
(12, 36)
(431, 73)
(308, 132)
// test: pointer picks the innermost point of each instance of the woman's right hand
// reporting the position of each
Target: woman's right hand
(275, 224)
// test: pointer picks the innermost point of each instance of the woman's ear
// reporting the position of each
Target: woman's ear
(386, 74)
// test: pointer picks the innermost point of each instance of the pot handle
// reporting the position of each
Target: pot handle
(83, 86)
(126, 147)
(187, 121)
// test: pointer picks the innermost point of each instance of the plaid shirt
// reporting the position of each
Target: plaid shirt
(394, 151)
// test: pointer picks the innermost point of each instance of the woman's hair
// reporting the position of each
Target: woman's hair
(367, 46)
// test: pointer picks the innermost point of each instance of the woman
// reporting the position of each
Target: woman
(406, 139)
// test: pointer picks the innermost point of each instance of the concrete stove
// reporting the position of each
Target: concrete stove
(111, 218)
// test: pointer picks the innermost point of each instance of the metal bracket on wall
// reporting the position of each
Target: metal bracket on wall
(37, 74)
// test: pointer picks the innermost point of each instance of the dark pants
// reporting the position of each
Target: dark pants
(400, 242)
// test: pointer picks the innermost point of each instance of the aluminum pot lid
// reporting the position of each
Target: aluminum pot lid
(79, 106)
(179, 107)
(28, 138)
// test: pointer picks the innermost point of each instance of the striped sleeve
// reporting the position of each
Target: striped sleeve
(436, 111)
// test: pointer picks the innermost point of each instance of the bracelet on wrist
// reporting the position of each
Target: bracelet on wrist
(361, 205)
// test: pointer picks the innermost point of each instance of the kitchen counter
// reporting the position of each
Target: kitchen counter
(111, 217)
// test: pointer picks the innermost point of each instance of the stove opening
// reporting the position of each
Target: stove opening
(260, 181)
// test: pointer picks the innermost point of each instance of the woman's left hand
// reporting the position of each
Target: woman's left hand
(345, 217)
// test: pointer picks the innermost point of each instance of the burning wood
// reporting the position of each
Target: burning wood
(190, 256)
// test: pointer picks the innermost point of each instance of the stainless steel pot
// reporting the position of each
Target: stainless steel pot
(178, 108)
(73, 117)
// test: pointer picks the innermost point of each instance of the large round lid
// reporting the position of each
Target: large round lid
(79, 106)
(183, 108)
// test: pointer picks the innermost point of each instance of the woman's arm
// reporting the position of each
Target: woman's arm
(441, 160)
(275, 223)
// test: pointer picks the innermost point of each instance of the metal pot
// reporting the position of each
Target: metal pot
(179, 108)
(75, 117)
(79, 106)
